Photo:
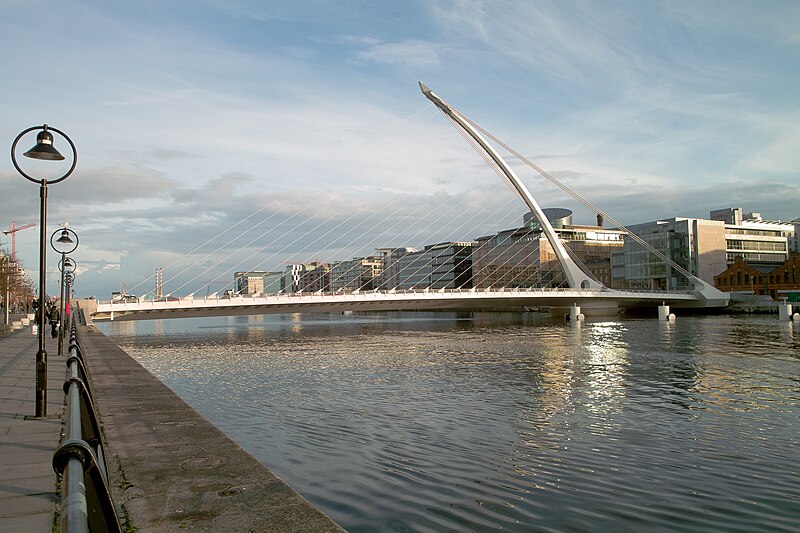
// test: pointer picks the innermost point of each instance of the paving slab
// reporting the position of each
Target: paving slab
(28, 495)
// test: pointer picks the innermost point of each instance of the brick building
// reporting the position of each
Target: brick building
(742, 277)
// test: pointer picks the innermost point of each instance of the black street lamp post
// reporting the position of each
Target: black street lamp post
(65, 246)
(70, 279)
(45, 151)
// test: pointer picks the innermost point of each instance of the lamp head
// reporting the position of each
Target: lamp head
(44, 149)
(65, 239)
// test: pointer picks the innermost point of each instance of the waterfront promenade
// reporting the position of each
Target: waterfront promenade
(27, 479)
(169, 468)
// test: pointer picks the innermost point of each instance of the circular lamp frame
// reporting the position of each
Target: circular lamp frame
(70, 263)
(48, 128)
(62, 230)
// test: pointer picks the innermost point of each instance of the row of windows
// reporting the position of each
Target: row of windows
(745, 278)
(751, 257)
(761, 232)
(756, 245)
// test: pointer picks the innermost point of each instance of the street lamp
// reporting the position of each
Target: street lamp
(70, 279)
(44, 151)
(65, 246)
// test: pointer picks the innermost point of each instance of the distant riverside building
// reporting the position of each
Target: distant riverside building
(794, 239)
(446, 265)
(743, 277)
(258, 282)
(392, 265)
(523, 257)
(754, 239)
(293, 276)
(703, 247)
(315, 279)
(451, 265)
(273, 282)
(360, 273)
(251, 282)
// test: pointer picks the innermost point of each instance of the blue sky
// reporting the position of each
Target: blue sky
(191, 116)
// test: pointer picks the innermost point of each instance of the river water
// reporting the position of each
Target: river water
(516, 422)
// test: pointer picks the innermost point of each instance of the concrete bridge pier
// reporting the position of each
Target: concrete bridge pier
(663, 312)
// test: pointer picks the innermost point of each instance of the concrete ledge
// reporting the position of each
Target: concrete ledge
(171, 469)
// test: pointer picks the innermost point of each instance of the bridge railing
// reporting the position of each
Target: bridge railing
(80, 461)
(176, 302)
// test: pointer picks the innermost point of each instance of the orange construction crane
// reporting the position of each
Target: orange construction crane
(13, 231)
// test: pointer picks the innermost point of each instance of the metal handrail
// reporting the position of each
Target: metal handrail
(86, 502)
(246, 298)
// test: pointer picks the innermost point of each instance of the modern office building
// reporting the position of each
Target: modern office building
(794, 239)
(523, 257)
(703, 247)
(258, 282)
(360, 273)
(315, 279)
(446, 265)
(273, 282)
(251, 282)
(392, 265)
(293, 276)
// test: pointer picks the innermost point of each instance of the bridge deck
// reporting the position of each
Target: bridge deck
(386, 301)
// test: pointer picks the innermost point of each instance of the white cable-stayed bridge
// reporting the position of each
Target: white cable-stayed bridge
(543, 271)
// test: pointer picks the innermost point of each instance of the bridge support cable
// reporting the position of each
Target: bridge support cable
(295, 241)
(212, 239)
(206, 271)
(459, 230)
(499, 171)
(347, 233)
(419, 207)
(454, 268)
(475, 251)
(210, 254)
(703, 291)
(574, 274)
(437, 277)
(427, 106)
(549, 275)
(586, 203)
(683, 271)
(440, 216)
(399, 209)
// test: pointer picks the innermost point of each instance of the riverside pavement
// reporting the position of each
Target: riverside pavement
(169, 468)
(27, 443)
